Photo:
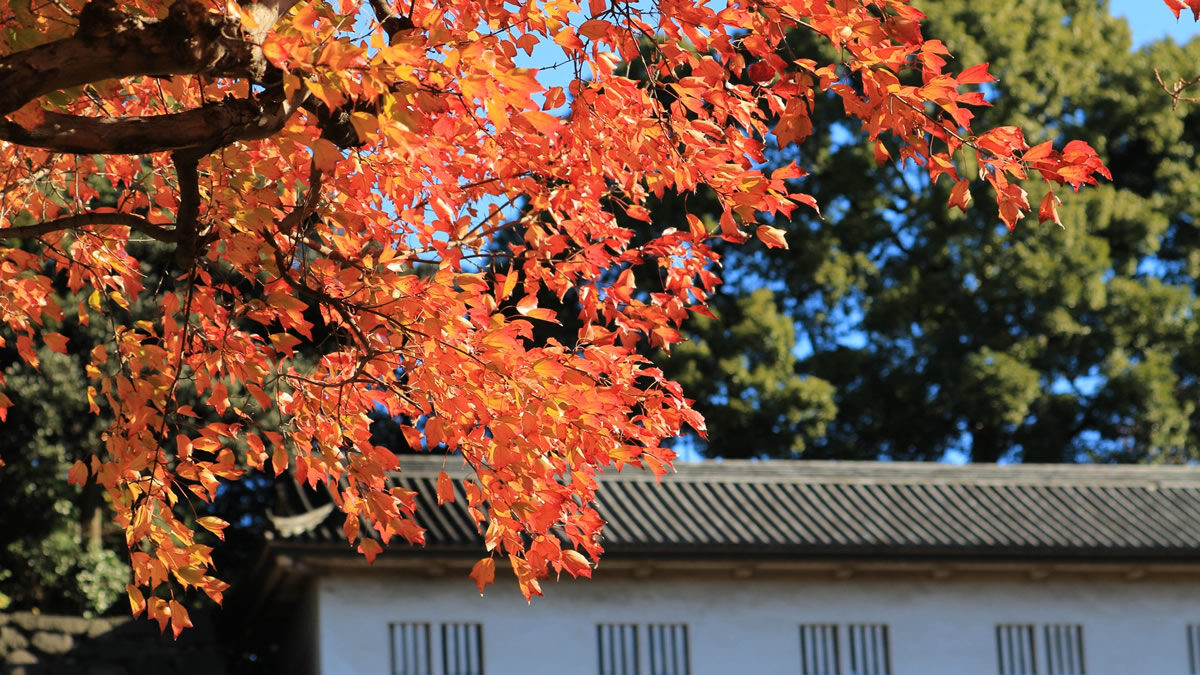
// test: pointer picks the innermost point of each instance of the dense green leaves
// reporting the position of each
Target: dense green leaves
(922, 331)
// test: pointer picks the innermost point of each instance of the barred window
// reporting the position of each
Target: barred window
(1049, 649)
(819, 654)
(462, 651)
(870, 653)
(1015, 650)
(410, 649)
(1064, 649)
(853, 649)
(618, 644)
(669, 649)
(459, 649)
(633, 649)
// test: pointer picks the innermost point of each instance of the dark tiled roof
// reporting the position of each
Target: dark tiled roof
(787, 509)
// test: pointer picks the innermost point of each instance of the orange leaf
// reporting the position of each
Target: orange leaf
(29, 115)
(325, 155)
(1048, 210)
(977, 74)
(882, 156)
(595, 29)
(577, 565)
(484, 573)
(306, 17)
(527, 304)
(275, 52)
(219, 399)
(214, 525)
(57, 342)
(279, 459)
(179, 619)
(543, 122)
(78, 473)
(960, 196)
(370, 549)
(445, 488)
(567, 39)
(773, 237)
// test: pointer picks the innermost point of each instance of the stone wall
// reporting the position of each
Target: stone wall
(39, 644)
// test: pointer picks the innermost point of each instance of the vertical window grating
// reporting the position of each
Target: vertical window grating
(668, 646)
(410, 649)
(1193, 643)
(869, 649)
(819, 649)
(1064, 649)
(462, 649)
(618, 644)
(1015, 650)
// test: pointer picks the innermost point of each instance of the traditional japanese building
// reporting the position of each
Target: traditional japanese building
(809, 568)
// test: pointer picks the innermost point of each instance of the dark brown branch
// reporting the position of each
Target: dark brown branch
(210, 127)
(189, 206)
(291, 222)
(79, 220)
(393, 24)
(110, 44)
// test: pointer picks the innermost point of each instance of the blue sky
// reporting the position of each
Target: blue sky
(1151, 20)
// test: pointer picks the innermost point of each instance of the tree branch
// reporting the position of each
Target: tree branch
(189, 206)
(391, 22)
(111, 44)
(79, 220)
(1175, 90)
(292, 221)
(213, 126)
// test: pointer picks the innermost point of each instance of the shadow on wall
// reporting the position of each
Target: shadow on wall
(37, 644)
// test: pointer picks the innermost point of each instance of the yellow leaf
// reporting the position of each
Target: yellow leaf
(137, 603)
(325, 154)
(214, 525)
(119, 299)
(189, 575)
(279, 459)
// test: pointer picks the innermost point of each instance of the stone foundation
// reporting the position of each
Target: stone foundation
(39, 644)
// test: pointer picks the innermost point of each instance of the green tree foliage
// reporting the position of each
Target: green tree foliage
(898, 328)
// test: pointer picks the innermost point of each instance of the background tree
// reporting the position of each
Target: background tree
(930, 331)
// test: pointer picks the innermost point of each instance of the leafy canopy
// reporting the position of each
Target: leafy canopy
(348, 168)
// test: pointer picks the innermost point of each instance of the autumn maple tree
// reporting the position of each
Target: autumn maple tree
(356, 164)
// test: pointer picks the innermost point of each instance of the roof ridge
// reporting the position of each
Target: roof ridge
(874, 472)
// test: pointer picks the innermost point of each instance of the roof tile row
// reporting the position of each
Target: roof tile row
(829, 508)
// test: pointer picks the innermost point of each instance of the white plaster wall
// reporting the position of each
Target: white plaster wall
(751, 625)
